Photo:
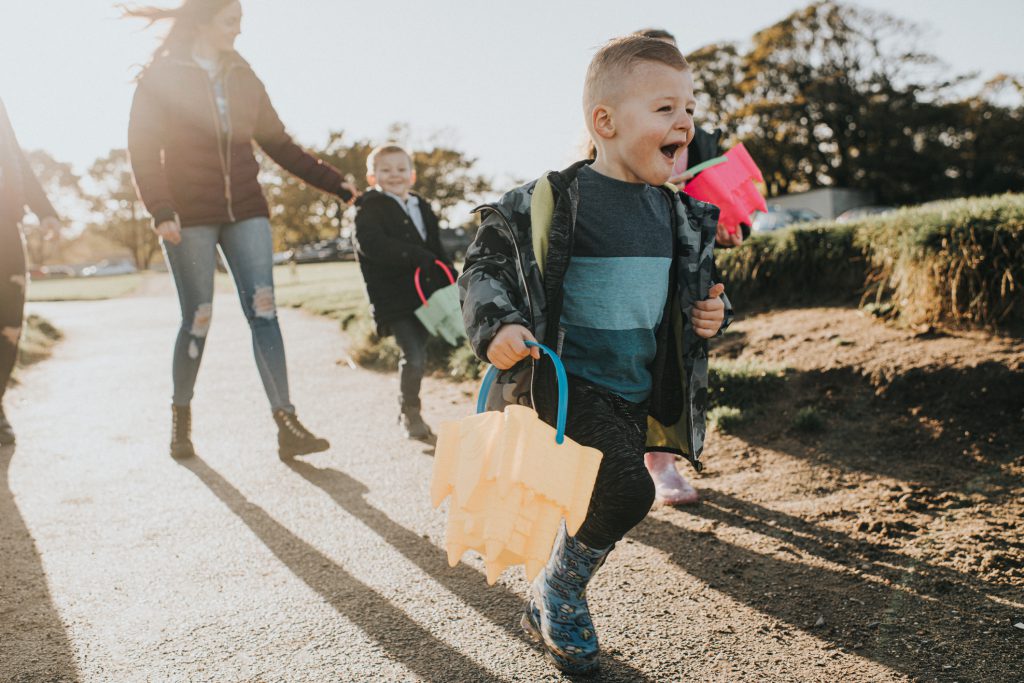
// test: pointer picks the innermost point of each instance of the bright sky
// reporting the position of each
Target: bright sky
(503, 80)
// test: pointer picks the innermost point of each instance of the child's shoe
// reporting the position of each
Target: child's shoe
(414, 426)
(670, 488)
(557, 615)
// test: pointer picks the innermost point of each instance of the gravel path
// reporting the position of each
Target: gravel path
(120, 564)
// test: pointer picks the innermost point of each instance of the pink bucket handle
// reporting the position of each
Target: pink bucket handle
(419, 288)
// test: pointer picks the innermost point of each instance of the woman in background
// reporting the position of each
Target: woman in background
(197, 111)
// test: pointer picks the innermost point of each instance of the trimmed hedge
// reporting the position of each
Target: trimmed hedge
(957, 262)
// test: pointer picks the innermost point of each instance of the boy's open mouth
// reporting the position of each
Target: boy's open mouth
(670, 150)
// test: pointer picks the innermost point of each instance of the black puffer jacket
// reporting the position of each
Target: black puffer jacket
(389, 248)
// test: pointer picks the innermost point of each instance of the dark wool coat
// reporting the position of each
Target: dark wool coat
(390, 248)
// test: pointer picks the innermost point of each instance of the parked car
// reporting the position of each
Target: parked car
(52, 272)
(777, 217)
(863, 212)
(337, 249)
(456, 241)
(106, 268)
(283, 256)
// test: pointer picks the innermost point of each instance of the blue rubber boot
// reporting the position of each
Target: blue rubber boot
(557, 615)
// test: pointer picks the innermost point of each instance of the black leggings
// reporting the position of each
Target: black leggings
(12, 299)
(624, 491)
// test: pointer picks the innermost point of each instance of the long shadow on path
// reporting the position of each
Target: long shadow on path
(498, 604)
(33, 643)
(401, 637)
(880, 605)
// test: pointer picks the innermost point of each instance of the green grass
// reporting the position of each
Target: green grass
(725, 418)
(84, 288)
(334, 290)
(743, 384)
(809, 420)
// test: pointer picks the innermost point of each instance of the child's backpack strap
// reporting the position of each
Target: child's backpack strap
(542, 209)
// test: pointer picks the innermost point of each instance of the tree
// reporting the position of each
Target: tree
(122, 217)
(62, 188)
(837, 95)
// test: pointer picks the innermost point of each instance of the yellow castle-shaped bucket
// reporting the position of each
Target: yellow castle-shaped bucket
(512, 478)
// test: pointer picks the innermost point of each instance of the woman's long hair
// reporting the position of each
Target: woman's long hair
(185, 21)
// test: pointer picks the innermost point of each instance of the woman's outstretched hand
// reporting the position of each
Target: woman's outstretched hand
(348, 193)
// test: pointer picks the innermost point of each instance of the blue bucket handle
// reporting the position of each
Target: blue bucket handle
(563, 390)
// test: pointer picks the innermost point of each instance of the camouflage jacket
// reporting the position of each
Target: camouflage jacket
(514, 274)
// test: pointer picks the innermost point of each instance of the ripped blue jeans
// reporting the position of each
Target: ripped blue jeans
(248, 249)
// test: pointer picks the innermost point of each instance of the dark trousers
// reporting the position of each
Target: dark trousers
(411, 337)
(624, 491)
(12, 299)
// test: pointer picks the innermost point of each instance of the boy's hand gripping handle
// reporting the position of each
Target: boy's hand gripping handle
(563, 390)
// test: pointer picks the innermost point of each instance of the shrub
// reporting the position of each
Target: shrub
(725, 418)
(742, 384)
(957, 262)
(809, 420)
(812, 265)
(38, 338)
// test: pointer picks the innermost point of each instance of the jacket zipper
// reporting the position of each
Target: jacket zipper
(227, 148)
(225, 165)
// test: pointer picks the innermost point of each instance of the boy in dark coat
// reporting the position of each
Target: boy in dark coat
(396, 234)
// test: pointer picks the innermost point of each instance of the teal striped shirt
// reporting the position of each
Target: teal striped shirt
(617, 283)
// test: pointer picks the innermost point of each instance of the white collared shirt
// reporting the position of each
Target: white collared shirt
(411, 205)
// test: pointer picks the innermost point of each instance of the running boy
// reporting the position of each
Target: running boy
(396, 233)
(615, 272)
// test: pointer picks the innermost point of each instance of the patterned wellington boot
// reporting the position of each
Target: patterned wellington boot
(557, 615)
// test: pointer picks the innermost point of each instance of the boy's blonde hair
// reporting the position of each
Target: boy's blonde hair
(611, 65)
(390, 148)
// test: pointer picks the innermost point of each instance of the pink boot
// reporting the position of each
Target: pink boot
(670, 488)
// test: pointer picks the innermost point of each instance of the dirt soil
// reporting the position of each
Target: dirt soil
(898, 520)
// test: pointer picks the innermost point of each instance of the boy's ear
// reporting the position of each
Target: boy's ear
(603, 121)
(371, 179)
(413, 177)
